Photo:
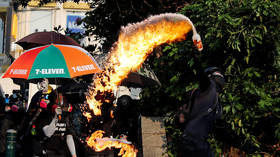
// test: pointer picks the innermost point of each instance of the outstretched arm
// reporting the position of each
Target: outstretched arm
(71, 145)
(204, 81)
(50, 129)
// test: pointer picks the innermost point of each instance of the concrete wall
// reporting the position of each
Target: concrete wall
(153, 137)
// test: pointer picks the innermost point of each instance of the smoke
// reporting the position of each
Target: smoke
(130, 29)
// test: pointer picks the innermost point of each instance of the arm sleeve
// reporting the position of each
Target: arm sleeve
(204, 81)
(71, 144)
(50, 129)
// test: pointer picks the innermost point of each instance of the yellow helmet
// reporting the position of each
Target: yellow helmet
(50, 89)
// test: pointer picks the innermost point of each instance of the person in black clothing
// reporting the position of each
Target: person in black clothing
(48, 123)
(38, 112)
(202, 114)
(58, 128)
(3, 104)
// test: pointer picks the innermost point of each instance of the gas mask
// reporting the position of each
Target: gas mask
(215, 74)
(220, 83)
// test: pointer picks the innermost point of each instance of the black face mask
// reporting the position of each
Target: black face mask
(220, 83)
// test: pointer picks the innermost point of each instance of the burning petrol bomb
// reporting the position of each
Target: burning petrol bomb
(135, 43)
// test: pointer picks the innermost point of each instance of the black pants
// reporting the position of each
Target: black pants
(194, 147)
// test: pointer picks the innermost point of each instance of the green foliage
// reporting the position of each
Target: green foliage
(173, 133)
(108, 16)
(251, 104)
(242, 37)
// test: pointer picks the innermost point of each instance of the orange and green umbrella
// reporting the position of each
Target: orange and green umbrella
(53, 61)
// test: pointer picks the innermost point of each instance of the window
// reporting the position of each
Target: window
(72, 23)
(40, 21)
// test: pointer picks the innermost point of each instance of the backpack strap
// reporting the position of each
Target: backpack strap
(191, 101)
(210, 109)
(186, 109)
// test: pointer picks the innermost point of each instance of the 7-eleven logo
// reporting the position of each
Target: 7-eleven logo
(18, 71)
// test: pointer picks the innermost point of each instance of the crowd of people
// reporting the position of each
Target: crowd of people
(52, 122)
(46, 123)
(12, 112)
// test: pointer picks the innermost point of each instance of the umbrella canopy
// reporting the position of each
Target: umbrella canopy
(144, 77)
(44, 38)
(53, 61)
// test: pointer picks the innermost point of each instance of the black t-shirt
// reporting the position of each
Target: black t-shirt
(63, 125)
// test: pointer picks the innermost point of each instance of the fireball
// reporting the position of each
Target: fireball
(135, 43)
(98, 143)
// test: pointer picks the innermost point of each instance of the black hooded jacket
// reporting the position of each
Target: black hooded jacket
(201, 121)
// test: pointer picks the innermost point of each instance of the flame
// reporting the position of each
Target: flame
(98, 143)
(135, 43)
(87, 115)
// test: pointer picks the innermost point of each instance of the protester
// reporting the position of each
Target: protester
(2, 109)
(60, 129)
(125, 114)
(49, 124)
(204, 109)
(31, 135)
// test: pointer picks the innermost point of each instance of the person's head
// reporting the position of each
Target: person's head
(48, 90)
(44, 86)
(216, 74)
(124, 102)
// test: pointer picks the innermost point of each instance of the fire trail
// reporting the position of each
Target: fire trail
(135, 43)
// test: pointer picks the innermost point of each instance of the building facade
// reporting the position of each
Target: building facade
(16, 24)
(35, 18)
(6, 11)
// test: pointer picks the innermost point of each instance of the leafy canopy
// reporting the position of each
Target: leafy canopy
(242, 37)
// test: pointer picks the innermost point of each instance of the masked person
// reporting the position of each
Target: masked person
(126, 114)
(60, 129)
(200, 117)
(37, 112)
(48, 122)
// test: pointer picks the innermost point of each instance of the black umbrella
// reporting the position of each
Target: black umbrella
(73, 87)
(138, 79)
(144, 77)
(44, 38)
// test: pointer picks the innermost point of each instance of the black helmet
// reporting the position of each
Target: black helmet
(213, 71)
(216, 74)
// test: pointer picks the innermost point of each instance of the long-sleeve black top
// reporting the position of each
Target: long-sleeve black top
(198, 127)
